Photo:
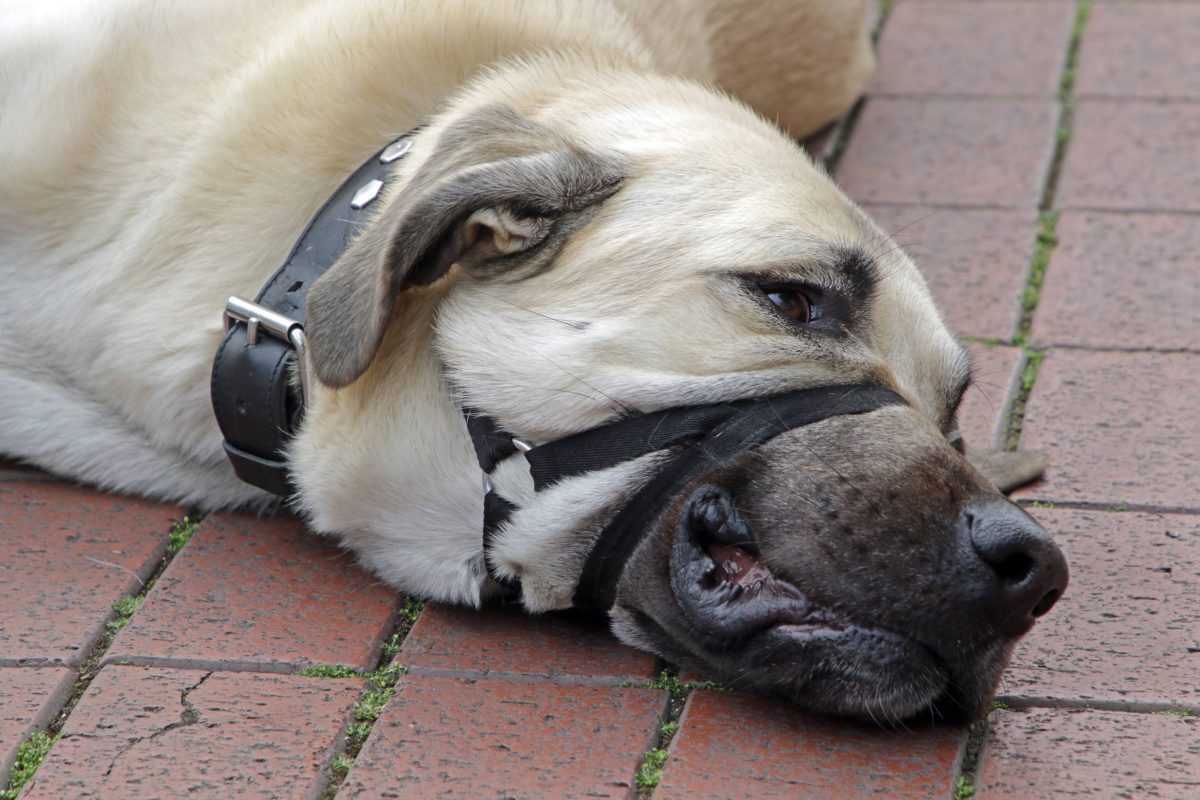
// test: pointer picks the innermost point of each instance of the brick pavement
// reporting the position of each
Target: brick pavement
(973, 136)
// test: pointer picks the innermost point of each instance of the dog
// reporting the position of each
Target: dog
(587, 228)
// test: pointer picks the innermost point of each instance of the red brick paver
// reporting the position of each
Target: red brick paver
(1041, 753)
(508, 642)
(148, 733)
(66, 555)
(1128, 629)
(733, 745)
(1141, 49)
(1006, 48)
(258, 594)
(444, 737)
(29, 701)
(950, 152)
(976, 261)
(1132, 155)
(1129, 281)
(1119, 428)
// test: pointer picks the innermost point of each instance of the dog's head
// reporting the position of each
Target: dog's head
(627, 250)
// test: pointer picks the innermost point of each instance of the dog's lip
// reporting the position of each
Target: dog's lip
(742, 577)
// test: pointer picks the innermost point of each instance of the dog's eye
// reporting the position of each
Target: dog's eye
(791, 303)
(956, 441)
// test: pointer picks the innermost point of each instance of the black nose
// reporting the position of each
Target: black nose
(1028, 572)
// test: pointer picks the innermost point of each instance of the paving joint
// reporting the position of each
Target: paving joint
(967, 771)
(650, 770)
(1046, 238)
(1116, 508)
(1026, 702)
(381, 685)
(178, 536)
(843, 129)
(520, 677)
(122, 611)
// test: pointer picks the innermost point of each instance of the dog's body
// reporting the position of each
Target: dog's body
(156, 158)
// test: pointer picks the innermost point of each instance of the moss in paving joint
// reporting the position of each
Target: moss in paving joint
(988, 341)
(381, 685)
(331, 671)
(651, 769)
(30, 754)
(124, 610)
(1180, 713)
(649, 772)
(842, 133)
(964, 784)
(1066, 84)
(1066, 81)
(410, 612)
(1047, 240)
(1041, 504)
(963, 788)
(181, 533)
(1016, 420)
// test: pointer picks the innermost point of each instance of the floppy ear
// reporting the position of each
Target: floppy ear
(1008, 470)
(499, 193)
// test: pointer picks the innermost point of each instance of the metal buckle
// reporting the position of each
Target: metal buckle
(283, 328)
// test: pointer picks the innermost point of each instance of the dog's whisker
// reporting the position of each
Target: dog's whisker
(622, 406)
(570, 324)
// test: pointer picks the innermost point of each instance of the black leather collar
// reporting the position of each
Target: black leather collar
(258, 382)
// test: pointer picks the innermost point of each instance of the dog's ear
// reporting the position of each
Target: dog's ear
(1008, 470)
(499, 193)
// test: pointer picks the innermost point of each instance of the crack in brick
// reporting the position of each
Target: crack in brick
(188, 716)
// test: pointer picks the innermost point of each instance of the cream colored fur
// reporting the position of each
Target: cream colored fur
(156, 157)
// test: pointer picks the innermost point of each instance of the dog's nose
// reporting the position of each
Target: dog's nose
(1028, 572)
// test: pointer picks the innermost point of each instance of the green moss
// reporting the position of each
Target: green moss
(1044, 246)
(181, 533)
(341, 765)
(990, 341)
(1033, 364)
(963, 789)
(651, 770)
(381, 685)
(1180, 713)
(29, 757)
(330, 671)
(124, 608)
(666, 681)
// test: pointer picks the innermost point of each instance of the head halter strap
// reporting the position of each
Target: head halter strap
(710, 436)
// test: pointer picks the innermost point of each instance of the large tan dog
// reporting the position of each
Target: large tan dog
(582, 230)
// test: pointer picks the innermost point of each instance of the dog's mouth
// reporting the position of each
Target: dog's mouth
(764, 631)
(722, 584)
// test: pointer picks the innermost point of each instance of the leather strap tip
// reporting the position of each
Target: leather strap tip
(265, 473)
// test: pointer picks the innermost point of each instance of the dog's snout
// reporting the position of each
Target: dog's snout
(1027, 571)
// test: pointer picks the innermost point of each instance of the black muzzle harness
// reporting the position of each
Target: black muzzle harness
(260, 387)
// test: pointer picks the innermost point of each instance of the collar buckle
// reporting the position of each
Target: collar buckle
(260, 318)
